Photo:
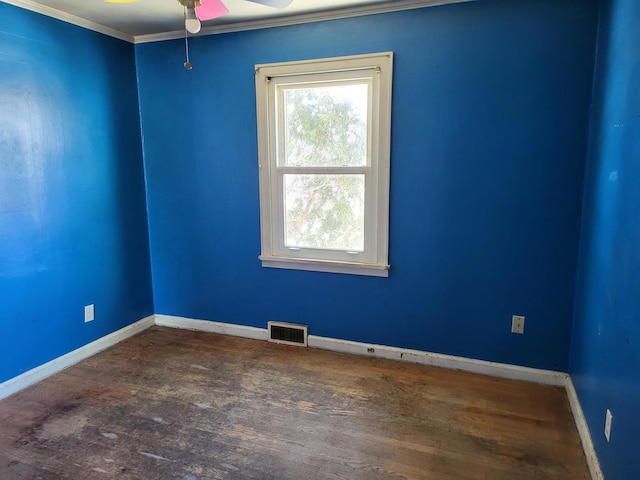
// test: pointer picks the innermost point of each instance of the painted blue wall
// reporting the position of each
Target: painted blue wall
(490, 114)
(605, 354)
(72, 206)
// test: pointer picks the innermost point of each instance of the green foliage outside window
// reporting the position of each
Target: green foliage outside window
(325, 127)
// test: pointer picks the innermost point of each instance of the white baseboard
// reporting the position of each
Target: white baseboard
(583, 431)
(34, 375)
(212, 327)
(483, 367)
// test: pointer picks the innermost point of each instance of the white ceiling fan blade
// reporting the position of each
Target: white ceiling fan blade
(210, 9)
(274, 3)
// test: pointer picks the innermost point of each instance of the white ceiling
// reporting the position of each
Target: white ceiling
(148, 20)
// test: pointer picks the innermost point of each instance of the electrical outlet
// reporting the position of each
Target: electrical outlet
(607, 425)
(517, 324)
(89, 313)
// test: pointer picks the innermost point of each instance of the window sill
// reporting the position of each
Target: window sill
(372, 270)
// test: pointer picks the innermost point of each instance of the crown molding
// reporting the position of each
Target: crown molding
(68, 18)
(386, 7)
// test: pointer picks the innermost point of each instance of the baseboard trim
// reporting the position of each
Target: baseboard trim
(482, 367)
(212, 327)
(583, 431)
(56, 365)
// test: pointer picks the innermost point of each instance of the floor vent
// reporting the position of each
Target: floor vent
(289, 333)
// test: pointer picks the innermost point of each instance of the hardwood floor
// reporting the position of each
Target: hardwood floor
(174, 404)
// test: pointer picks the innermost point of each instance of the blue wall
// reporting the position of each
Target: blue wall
(489, 138)
(490, 115)
(72, 205)
(605, 354)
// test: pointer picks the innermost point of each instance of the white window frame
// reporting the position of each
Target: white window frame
(271, 80)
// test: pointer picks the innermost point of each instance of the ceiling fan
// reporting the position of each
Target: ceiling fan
(197, 11)
(203, 10)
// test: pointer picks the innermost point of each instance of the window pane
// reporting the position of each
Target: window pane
(326, 126)
(324, 211)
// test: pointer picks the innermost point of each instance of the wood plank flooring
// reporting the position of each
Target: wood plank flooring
(173, 404)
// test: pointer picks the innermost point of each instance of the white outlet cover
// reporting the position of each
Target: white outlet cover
(517, 324)
(607, 425)
(89, 313)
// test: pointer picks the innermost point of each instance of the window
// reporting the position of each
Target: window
(324, 143)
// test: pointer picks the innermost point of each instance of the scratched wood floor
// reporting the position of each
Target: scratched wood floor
(173, 404)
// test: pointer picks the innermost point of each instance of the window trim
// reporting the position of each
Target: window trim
(275, 256)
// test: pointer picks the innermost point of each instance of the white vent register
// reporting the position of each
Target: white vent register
(288, 333)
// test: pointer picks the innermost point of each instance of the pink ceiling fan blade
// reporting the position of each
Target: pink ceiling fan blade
(274, 3)
(210, 9)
